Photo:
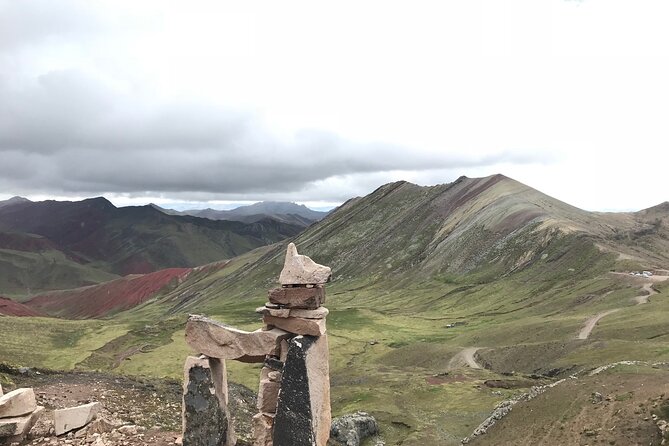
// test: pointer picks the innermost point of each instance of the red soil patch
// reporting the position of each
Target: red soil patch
(10, 308)
(100, 300)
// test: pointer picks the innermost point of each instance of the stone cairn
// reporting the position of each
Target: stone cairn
(294, 391)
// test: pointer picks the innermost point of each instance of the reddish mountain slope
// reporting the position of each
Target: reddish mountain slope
(100, 300)
(10, 308)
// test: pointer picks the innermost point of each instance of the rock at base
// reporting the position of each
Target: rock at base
(318, 313)
(297, 297)
(75, 417)
(352, 429)
(303, 410)
(301, 270)
(1, 390)
(17, 402)
(14, 429)
(262, 429)
(205, 415)
(268, 392)
(297, 325)
(218, 340)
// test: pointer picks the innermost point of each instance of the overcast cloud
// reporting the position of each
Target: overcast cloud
(215, 101)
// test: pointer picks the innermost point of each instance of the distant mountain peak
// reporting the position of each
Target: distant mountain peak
(99, 202)
(14, 200)
(282, 211)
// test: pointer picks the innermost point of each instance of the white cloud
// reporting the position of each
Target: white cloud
(318, 102)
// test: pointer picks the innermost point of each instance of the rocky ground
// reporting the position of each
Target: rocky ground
(142, 412)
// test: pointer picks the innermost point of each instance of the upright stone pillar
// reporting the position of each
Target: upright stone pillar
(303, 412)
(206, 421)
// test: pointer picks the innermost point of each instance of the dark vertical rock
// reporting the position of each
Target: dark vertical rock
(303, 409)
(205, 421)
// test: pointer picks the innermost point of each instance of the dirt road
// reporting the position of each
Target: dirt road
(648, 290)
(643, 299)
(590, 323)
(465, 359)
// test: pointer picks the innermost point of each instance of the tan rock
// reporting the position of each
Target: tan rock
(318, 313)
(218, 340)
(1, 390)
(262, 429)
(318, 366)
(101, 426)
(301, 270)
(277, 312)
(99, 442)
(17, 402)
(297, 325)
(283, 352)
(14, 429)
(75, 417)
(268, 392)
(298, 297)
(275, 376)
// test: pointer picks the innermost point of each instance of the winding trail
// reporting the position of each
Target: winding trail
(590, 323)
(648, 291)
(643, 299)
(465, 358)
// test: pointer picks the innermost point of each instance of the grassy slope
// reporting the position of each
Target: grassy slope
(408, 262)
(25, 273)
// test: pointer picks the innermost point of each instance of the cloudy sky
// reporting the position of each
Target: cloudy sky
(198, 102)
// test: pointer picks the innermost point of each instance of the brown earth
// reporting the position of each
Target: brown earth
(615, 407)
(151, 408)
(10, 308)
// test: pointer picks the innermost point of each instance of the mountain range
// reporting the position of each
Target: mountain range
(54, 245)
(446, 300)
(285, 212)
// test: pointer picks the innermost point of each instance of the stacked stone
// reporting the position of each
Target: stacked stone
(294, 391)
(18, 414)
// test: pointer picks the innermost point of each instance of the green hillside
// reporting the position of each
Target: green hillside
(427, 280)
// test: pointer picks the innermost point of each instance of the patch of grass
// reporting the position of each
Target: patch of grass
(53, 343)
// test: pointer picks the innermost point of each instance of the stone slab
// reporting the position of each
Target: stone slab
(318, 313)
(218, 340)
(205, 417)
(303, 413)
(72, 418)
(297, 325)
(17, 402)
(14, 429)
(300, 269)
(1, 393)
(297, 297)
(268, 392)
